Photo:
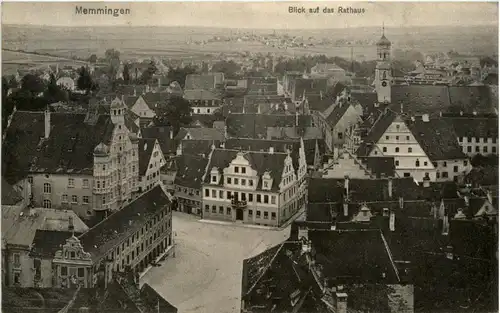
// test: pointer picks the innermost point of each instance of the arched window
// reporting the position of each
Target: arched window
(47, 188)
(114, 112)
(47, 204)
(417, 163)
(384, 75)
(397, 149)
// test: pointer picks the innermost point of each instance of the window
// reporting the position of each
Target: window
(228, 211)
(397, 149)
(74, 199)
(407, 137)
(477, 139)
(229, 180)
(47, 188)
(469, 139)
(71, 182)
(455, 169)
(425, 163)
(64, 271)
(477, 148)
(340, 135)
(469, 149)
(493, 149)
(410, 150)
(384, 149)
(236, 181)
(273, 199)
(86, 199)
(397, 137)
(258, 214)
(250, 183)
(221, 194)
(30, 179)
(397, 162)
(273, 215)
(417, 163)
(64, 199)
(243, 170)
(17, 260)
(259, 198)
(266, 199)
(445, 174)
(250, 213)
(406, 174)
(214, 179)
(466, 163)
(47, 204)
(494, 140)
(250, 197)
(243, 182)
(207, 193)
(221, 210)
(98, 184)
(214, 193)
(228, 194)
(266, 184)
(214, 209)
(438, 175)
(266, 215)
(207, 208)
(485, 149)
(460, 139)
(386, 137)
(236, 169)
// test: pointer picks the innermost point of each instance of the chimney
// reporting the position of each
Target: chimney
(461, 113)
(426, 182)
(71, 226)
(296, 119)
(401, 202)
(392, 221)
(413, 118)
(346, 209)
(341, 302)
(446, 224)
(389, 187)
(258, 109)
(171, 134)
(271, 150)
(47, 122)
(123, 98)
(425, 118)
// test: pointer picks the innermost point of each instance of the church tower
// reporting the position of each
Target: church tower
(383, 75)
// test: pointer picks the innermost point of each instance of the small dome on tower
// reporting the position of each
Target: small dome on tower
(101, 150)
(383, 41)
(117, 103)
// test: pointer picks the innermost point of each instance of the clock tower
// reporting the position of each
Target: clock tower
(383, 76)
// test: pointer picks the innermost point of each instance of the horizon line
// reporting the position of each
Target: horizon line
(259, 28)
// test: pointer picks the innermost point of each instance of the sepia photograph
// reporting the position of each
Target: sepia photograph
(249, 157)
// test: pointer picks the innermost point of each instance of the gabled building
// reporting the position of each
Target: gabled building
(421, 147)
(187, 183)
(476, 135)
(130, 238)
(209, 81)
(197, 133)
(151, 160)
(145, 105)
(261, 188)
(203, 101)
(79, 161)
(330, 70)
(348, 164)
(165, 137)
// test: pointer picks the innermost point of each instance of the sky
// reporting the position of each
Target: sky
(267, 15)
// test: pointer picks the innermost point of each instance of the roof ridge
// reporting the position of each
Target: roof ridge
(267, 267)
(390, 255)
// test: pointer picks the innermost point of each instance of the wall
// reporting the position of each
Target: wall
(188, 198)
(142, 109)
(472, 146)
(452, 168)
(60, 187)
(351, 118)
(25, 267)
(153, 176)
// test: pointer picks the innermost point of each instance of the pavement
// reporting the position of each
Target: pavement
(205, 274)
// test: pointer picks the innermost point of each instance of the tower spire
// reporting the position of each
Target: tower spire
(383, 29)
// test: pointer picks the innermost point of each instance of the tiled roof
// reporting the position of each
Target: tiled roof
(190, 170)
(130, 118)
(202, 81)
(198, 147)
(47, 242)
(381, 166)
(200, 134)
(145, 147)
(21, 229)
(320, 103)
(375, 132)
(40, 300)
(154, 99)
(310, 149)
(262, 85)
(335, 114)
(437, 138)
(206, 120)
(354, 256)
(130, 101)
(474, 97)
(260, 161)
(321, 212)
(325, 67)
(162, 134)
(479, 127)
(106, 235)
(309, 86)
(153, 299)
(307, 133)
(255, 125)
(10, 196)
(200, 94)
(366, 99)
(69, 147)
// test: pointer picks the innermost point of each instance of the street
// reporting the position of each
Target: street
(205, 275)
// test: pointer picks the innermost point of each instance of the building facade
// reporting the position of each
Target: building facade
(151, 160)
(260, 188)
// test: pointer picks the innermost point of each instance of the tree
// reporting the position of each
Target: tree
(32, 84)
(126, 74)
(93, 59)
(113, 58)
(229, 68)
(176, 112)
(84, 81)
(147, 75)
(179, 74)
